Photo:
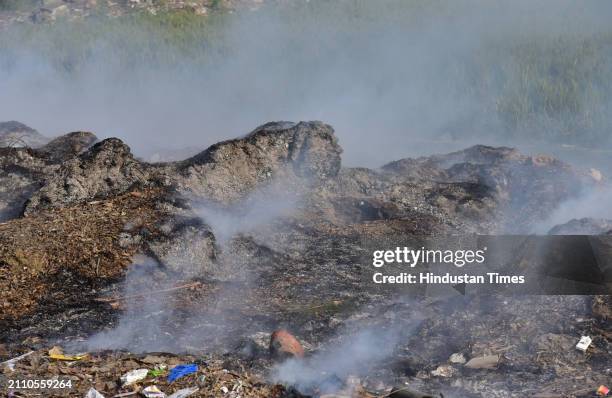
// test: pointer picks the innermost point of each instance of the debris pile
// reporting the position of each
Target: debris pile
(121, 374)
(95, 241)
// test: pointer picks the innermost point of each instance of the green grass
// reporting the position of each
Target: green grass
(16, 5)
(134, 39)
(549, 87)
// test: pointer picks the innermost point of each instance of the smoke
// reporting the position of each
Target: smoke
(134, 330)
(259, 209)
(594, 203)
(352, 354)
(328, 370)
(156, 322)
(395, 78)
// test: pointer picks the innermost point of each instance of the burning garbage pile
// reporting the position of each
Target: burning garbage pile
(238, 273)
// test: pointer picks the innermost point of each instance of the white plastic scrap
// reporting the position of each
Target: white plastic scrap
(153, 392)
(584, 343)
(134, 376)
(184, 393)
(224, 390)
(457, 358)
(93, 393)
(11, 362)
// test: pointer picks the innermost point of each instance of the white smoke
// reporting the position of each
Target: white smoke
(594, 203)
(155, 322)
(394, 77)
(355, 352)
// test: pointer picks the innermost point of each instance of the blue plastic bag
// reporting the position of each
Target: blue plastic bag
(181, 370)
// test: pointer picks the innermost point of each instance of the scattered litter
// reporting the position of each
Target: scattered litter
(58, 354)
(125, 394)
(457, 358)
(184, 393)
(602, 391)
(584, 343)
(181, 370)
(68, 357)
(283, 344)
(11, 362)
(485, 362)
(443, 371)
(153, 392)
(134, 376)
(224, 390)
(93, 393)
(156, 372)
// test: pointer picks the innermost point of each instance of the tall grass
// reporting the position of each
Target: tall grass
(545, 86)
(138, 38)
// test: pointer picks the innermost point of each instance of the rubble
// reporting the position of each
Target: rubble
(67, 146)
(82, 218)
(302, 153)
(283, 344)
(108, 168)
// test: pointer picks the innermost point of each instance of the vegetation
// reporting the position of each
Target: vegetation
(12, 5)
(552, 86)
(138, 38)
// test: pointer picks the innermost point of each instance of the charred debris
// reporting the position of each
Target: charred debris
(198, 262)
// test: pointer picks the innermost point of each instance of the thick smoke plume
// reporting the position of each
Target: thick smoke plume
(396, 78)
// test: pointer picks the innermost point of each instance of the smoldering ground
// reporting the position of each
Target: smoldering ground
(352, 353)
(589, 204)
(152, 322)
(396, 78)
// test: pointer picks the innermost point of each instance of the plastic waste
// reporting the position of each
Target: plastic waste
(68, 357)
(58, 354)
(457, 358)
(584, 343)
(93, 393)
(184, 393)
(485, 362)
(156, 372)
(181, 370)
(11, 362)
(153, 392)
(134, 376)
